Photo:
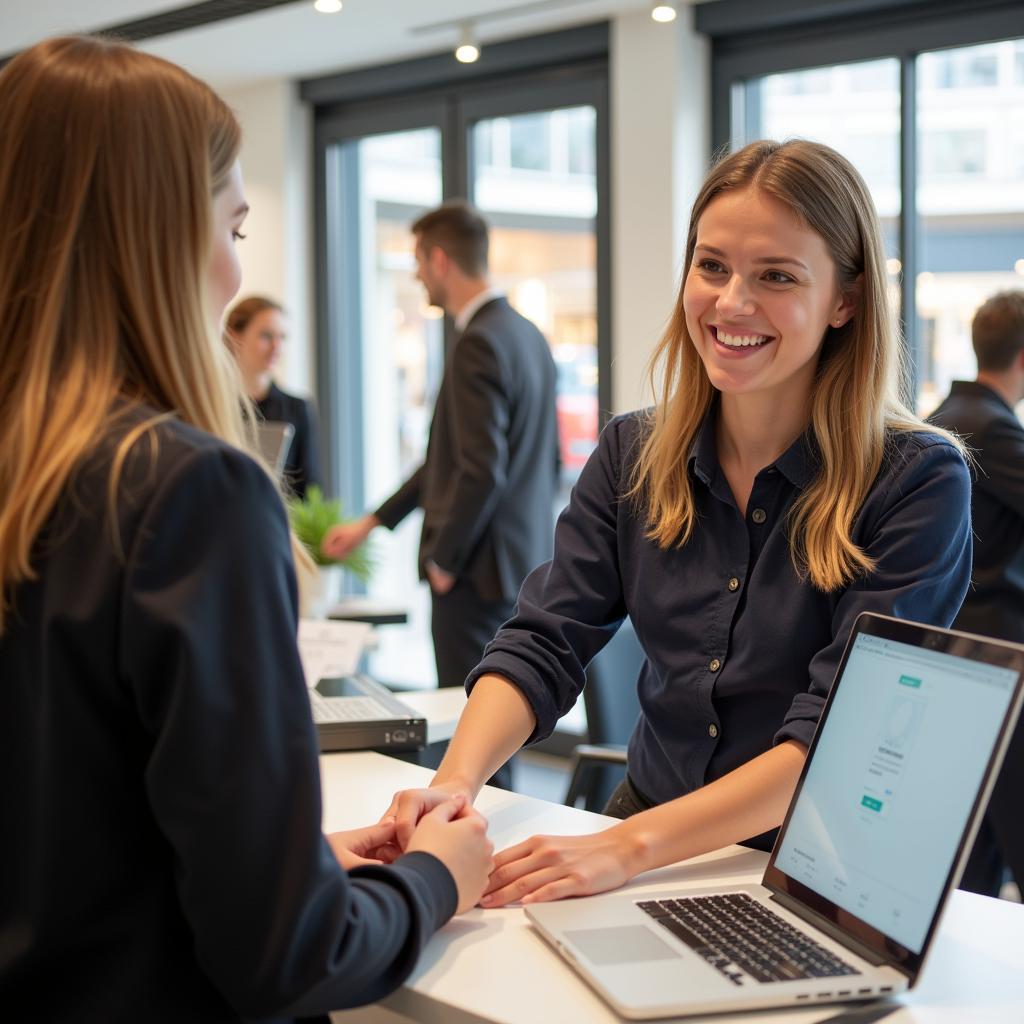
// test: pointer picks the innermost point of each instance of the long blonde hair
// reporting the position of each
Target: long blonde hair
(857, 398)
(110, 162)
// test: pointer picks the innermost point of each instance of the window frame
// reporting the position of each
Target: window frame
(545, 72)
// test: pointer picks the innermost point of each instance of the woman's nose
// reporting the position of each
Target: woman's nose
(735, 298)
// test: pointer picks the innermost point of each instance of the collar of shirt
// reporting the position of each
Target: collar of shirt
(798, 463)
(469, 310)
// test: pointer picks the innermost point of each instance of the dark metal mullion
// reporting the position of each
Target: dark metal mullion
(603, 228)
(909, 218)
(456, 176)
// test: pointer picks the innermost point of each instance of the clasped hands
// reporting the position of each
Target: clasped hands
(539, 869)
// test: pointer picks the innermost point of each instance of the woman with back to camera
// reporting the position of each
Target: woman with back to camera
(256, 329)
(162, 856)
(778, 488)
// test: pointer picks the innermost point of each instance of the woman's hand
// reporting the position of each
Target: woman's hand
(374, 844)
(409, 805)
(552, 867)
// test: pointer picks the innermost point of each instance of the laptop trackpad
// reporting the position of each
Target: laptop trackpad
(625, 945)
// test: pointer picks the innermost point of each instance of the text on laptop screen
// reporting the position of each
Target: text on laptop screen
(895, 773)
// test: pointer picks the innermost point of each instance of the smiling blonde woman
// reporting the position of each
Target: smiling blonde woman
(778, 488)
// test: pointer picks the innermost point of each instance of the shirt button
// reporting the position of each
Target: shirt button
(758, 515)
(712, 730)
(715, 665)
(734, 584)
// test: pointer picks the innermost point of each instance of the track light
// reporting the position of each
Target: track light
(663, 12)
(328, 6)
(468, 51)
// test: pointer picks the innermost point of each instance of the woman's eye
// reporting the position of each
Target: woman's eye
(238, 236)
(777, 277)
(711, 266)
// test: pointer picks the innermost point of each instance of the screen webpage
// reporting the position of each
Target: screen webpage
(898, 765)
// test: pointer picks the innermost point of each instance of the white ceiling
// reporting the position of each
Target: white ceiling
(295, 40)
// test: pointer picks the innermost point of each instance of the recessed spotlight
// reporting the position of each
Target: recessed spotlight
(1019, 267)
(468, 51)
(663, 12)
(328, 6)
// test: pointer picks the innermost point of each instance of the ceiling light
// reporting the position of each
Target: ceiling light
(663, 11)
(328, 6)
(467, 52)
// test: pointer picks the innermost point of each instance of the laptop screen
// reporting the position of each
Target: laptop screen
(895, 772)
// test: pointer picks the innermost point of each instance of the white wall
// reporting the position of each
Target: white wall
(660, 123)
(277, 254)
(660, 118)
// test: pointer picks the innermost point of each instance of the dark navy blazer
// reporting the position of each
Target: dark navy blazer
(161, 854)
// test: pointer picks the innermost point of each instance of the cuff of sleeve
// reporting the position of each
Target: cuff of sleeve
(436, 879)
(386, 517)
(528, 682)
(801, 720)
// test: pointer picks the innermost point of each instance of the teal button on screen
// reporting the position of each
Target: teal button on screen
(871, 803)
(910, 681)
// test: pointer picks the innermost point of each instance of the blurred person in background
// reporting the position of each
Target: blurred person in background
(982, 412)
(256, 330)
(487, 485)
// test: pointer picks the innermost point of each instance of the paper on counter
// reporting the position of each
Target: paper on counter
(331, 649)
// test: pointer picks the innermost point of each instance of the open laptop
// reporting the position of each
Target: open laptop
(881, 823)
(357, 713)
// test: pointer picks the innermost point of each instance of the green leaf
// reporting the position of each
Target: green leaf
(311, 517)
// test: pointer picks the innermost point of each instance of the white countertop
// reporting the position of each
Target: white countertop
(489, 965)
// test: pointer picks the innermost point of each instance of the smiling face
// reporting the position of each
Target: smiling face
(760, 294)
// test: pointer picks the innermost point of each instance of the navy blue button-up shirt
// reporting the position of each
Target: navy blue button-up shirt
(735, 639)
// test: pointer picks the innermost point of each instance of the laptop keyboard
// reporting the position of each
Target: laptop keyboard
(737, 935)
(347, 709)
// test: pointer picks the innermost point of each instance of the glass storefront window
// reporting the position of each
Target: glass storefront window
(544, 251)
(402, 358)
(970, 201)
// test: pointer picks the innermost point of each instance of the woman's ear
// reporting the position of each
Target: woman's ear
(848, 305)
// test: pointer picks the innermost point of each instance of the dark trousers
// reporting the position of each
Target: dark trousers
(462, 625)
(999, 846)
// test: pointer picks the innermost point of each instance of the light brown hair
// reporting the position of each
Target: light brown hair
(243, 312)
(459, 230)
(997, 330)
(110, 162)
(858, 390)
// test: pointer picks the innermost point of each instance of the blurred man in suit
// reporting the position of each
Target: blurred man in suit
(982, 411)
(487, 485)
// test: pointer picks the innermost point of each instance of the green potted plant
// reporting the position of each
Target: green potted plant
(311, 517)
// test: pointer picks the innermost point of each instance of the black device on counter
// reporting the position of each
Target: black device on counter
(358, 713)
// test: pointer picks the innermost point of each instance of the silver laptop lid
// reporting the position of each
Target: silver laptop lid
(895, 781)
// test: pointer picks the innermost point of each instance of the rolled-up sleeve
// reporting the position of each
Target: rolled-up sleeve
(569, 608)
(916, 526)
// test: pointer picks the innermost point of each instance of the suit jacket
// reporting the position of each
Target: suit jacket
(994, 605)
(487, 485)
(162, 858)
